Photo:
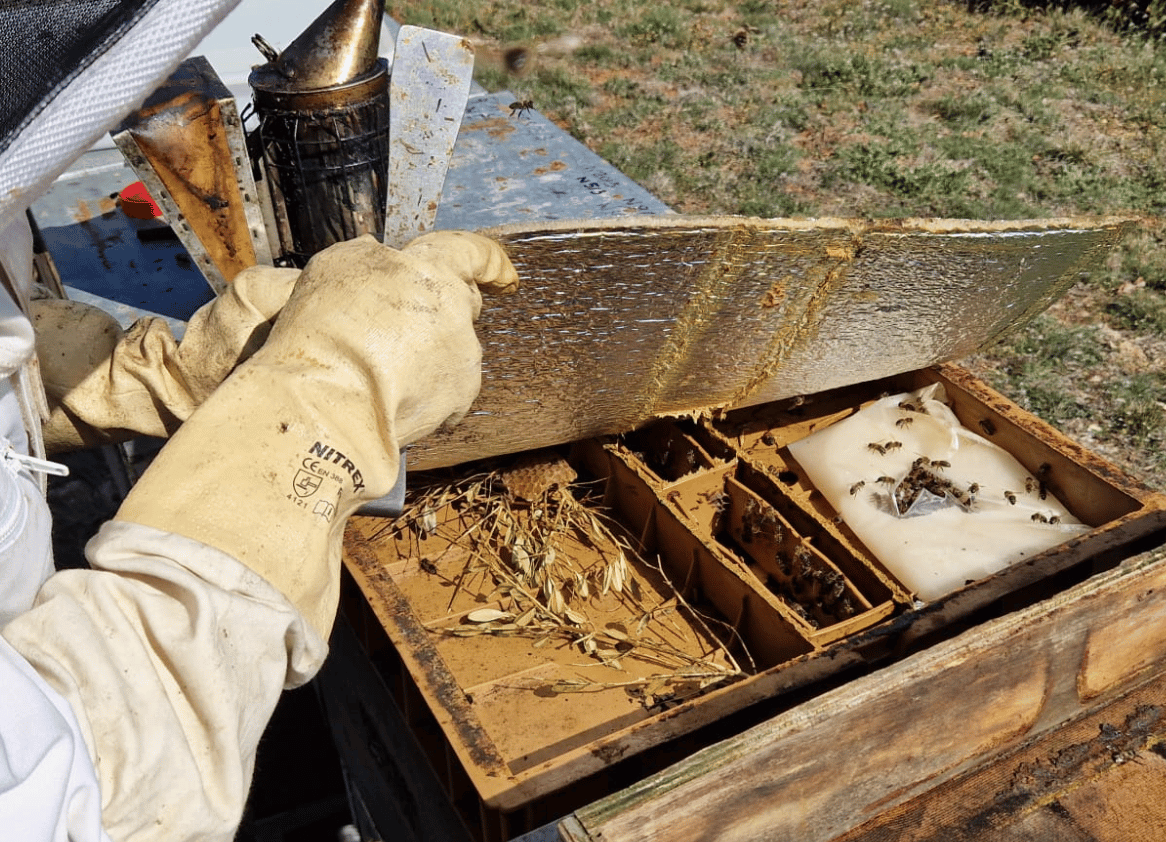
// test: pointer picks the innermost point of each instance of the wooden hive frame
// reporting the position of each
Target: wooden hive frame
(672, 506)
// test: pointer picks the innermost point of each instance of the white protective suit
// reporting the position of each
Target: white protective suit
(216, 585)
(133, 694)
(48, 789)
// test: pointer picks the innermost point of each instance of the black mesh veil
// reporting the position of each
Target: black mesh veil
(46, 44)
(71, 69)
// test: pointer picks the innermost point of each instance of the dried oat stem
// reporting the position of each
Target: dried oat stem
(517, 551)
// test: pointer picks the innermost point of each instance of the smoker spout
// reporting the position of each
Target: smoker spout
(338, 48)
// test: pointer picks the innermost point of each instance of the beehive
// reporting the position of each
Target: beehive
(771, 594)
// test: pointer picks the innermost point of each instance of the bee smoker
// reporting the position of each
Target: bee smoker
(323, 130)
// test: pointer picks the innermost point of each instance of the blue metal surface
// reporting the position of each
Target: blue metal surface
(98, 250)
(506, 168)
(523, 168)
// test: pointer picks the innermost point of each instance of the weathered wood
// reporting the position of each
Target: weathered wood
(186, 145)
(623, 320)
(1096, 779)
(832, 763)
(686, 492)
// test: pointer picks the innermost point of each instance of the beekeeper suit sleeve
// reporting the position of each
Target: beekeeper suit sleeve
(108, 385)
(48, 787)
(216, 585)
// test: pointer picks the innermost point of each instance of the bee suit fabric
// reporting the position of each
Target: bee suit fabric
(48, 787)
(71, 70)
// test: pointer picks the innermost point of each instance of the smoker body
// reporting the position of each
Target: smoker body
(323, 133)
(326, 157)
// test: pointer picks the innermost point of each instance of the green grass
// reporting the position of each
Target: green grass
(1142, 311)
(996, 109)
(1137, 413)
(1040, 358)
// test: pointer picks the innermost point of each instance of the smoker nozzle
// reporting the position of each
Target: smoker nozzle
(338, 48)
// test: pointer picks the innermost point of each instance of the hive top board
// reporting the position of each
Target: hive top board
(619, 321)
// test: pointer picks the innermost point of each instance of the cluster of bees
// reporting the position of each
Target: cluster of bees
(812, 588)
(926, 475)
(817, 592)
(759, 519)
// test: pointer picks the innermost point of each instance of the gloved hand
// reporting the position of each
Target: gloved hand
(104, 385)
(171, 653)
(374, 349)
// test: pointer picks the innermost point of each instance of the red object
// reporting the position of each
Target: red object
(137, 204)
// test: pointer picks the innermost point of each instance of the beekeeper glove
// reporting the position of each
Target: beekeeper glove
(170, 652)
(374, 349)
(105, 386)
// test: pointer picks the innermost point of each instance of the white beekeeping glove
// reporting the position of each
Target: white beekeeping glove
(104, 385)
(172, 653)
(374, 349)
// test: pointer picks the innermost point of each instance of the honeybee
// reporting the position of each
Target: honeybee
(516, 59)
(857, 487)
(784, 565)
(885, 480)
(1030, 485)
(1010, 496)
(740, 38)
(875, 447)
(909, 405)
(1055, 519)
(520, 107)
(940, 463)
(1037, 517)
(893, 445)
(905, 422)
(974, 488)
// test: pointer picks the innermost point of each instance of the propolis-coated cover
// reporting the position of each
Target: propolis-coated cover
(619, 321)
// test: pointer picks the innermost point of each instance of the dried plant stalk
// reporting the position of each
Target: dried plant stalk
(520, 534)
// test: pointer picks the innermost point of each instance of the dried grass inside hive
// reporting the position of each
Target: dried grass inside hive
(549, 567)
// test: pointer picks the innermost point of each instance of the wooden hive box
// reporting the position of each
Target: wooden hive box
(798, 637)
